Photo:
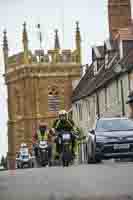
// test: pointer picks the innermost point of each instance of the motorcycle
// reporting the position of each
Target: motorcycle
(24, 160)
(65, 140)
(43, 153)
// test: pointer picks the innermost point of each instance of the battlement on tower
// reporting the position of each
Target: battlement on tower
(40, 56)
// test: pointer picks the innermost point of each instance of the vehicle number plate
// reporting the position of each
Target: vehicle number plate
(121, 146)
(66, 136)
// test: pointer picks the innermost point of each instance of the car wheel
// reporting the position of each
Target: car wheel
(22, 166)
(98, 160)
(32, 164)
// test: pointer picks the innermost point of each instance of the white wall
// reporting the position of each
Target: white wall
(110, 103)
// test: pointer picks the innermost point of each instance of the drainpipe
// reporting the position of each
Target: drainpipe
(97, 105)
(122, 99)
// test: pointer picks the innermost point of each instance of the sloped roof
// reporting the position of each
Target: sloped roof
(89, 85)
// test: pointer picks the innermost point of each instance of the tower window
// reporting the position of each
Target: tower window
(53, 100)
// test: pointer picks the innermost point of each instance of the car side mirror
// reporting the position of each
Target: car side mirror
(92, 131)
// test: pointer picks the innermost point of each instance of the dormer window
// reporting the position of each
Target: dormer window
(95, 68)
(108, 45)
(106, 60)
(121, 49)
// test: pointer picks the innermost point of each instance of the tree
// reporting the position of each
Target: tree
(3, 162)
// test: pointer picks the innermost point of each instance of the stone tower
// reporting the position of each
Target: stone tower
(39, 84)
(119, 13)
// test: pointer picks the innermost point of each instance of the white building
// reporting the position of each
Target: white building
(104, 88)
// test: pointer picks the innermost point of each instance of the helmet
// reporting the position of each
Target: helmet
(23, 145)
(43, 124)
(62, 112)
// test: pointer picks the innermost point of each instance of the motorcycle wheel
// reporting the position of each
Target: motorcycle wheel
(22, 166)
(65, 163)
(44, 164)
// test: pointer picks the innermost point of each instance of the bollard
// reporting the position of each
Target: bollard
(12, 166)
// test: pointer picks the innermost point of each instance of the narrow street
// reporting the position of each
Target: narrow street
(111, 180)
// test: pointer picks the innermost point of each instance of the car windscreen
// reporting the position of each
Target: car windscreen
(114, 125)
(25, 156)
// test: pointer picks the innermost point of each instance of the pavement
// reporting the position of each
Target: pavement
(109, 180)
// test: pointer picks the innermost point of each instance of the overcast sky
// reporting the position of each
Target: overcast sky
(93, 18)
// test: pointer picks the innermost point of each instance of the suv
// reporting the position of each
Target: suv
(111, 138)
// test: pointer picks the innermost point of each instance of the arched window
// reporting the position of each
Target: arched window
(53, 99)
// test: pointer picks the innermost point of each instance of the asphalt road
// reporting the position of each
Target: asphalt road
(102, 181)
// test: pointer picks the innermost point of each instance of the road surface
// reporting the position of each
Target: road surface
(102, 181)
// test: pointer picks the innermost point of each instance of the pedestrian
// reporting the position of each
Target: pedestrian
(130, 104)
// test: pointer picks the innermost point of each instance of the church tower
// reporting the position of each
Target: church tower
(39, 84)
(119, 14)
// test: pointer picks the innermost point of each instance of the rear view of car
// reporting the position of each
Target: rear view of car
(114, 138)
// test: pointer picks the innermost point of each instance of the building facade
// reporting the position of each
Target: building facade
(103, 90)
(119, 14)
(39, 85)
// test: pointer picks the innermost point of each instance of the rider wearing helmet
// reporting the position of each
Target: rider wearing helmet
(63, 123)
(39, 135)
(23, 148)
(42, 134)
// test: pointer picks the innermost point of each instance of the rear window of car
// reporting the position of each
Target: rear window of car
(114, 125)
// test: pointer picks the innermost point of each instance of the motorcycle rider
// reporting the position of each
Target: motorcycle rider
(63, 123)
(42, 134)
(23, 149)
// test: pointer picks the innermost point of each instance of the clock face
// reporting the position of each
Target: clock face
(117, 68)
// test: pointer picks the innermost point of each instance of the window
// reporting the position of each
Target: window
(106, 61)
(88, 109)
(53, 100)
(114, 125)
(130, 81)
(129, 84)
(80, 112)
(95, 68)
